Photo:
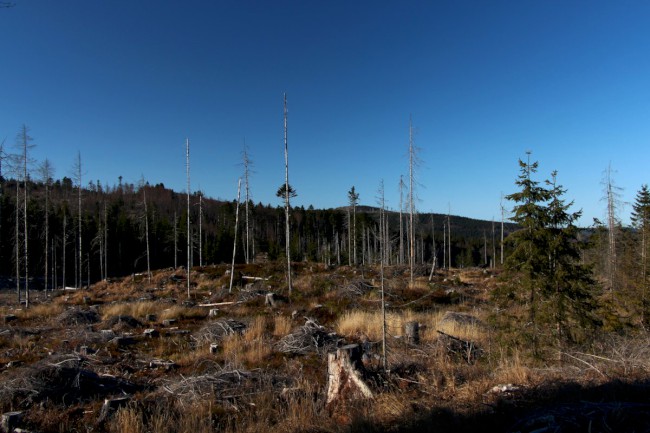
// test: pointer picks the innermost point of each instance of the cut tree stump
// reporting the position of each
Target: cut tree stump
(345, 375)
(412, 332)
(10, 420)
(111, 405)
(274, 300)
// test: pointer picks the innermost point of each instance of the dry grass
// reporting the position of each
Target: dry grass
(281, 326)
(354, 323)
(135, 309)
(41, 311)
(178, 312)
(250, 348)
(127, 420)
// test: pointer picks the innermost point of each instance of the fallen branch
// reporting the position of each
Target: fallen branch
(219, 304)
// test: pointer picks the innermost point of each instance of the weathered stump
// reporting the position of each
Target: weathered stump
(111, 405)
(274, 300)
(412, 332)
(10, 420)
(213, 348)
(151, 333)
(345, 375)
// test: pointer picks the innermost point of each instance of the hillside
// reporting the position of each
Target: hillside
(138, 356)
(112, 239)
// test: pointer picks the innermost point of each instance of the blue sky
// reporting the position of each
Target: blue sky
(125, 82)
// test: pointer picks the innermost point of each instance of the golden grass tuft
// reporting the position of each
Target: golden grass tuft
(39, 311)
(127, 420)
(179, 312)
(356, 322)
(135, 309)
(251, 347)
(281, 326)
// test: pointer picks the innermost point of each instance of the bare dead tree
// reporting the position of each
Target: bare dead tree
(287, 194)
(146, 226)
(24, 145)
(247, 162)
(402, 185)
(175, 241)
(47, 172)
(383, 245)
(78, 174)
(234, 246)
(187, 169)
(414, 162)
(494, 246)
(3, 156)
(503, 217)
(449, 235)
(434, 259)
(612, 197)
(105, 242)
(200, 228)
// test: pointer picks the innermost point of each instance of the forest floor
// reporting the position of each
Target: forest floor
(140, 355)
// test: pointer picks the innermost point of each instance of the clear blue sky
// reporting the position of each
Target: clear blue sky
(125, 82)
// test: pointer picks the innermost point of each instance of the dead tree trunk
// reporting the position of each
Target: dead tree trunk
(345, 375)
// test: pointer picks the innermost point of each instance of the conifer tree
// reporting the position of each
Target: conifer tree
(544, 266)
(640, 219)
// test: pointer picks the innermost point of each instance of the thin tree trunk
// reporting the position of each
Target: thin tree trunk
(449, 235)
(79, 175)
(502, 223)
(200, 228)
(105, 242)
(411, 201)
(18, 242)
(63, 247)
(401, 220)
(187, 166)
(286, 197)
(234, 246)
(175, 241)
(146, 232)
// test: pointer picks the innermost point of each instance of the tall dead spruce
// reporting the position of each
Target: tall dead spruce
(287, 194)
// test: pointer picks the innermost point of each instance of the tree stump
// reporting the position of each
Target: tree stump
(111, 405)
(412, 332)
(273, 300)
(10, 421)
(151, 333)
(345, 375)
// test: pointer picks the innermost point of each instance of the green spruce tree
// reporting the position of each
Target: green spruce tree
(641, 222)
(544, 269)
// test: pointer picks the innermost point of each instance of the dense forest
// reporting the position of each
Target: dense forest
(117, 220)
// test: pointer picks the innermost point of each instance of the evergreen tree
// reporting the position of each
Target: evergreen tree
(641, 222)
(545, 262)
(529, 256)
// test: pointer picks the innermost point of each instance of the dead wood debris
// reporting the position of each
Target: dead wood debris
(309, 338)
(78, 316)
(64, 379)
(215, 331)
(356, 288)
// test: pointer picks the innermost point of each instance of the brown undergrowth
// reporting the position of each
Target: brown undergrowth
(236, 364)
